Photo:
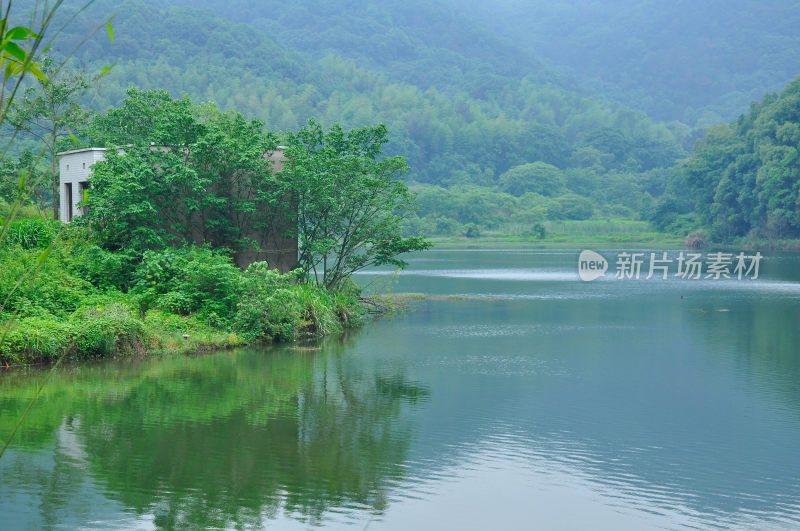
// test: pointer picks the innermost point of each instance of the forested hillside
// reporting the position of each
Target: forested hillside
(461, 105)
(701, 61)
(493, 133)
(745, 178)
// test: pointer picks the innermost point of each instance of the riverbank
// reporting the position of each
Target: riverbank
(656, 241)
(115, 330)
(509, 241)
(70, 298)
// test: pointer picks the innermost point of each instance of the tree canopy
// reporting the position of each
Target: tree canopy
(178, 173)
(745, 177)
(351, 202)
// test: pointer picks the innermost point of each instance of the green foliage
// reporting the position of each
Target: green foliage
(275, 306)
(207, 182)
(148, 117)
(188, 280)
(69, 305)
(50, 112)
(49, 287)
(744, 177)
(573, 206)
(537, 177)
(36, 189)
(31, 233)
(351, 203)
(104, 269)
(91, 331)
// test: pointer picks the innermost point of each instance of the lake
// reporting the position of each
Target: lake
(515, 396)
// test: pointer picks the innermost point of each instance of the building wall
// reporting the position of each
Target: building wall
(74, 168)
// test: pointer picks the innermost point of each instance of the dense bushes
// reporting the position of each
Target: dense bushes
(99, 331)
(48, 287)
(31, 233)
(188, 280)
(88, 302)
(274, 306)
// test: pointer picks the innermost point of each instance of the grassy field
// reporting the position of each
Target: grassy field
(627, 233)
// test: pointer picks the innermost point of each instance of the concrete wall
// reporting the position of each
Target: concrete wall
(74, 168)
(277, 246)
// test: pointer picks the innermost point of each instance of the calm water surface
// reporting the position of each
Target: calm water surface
(530, 400)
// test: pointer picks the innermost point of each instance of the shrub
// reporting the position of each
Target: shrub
(537, 231)
(31, 233)
(572, 206)
(52, 289)
(278, 307)
(188, 280)
(104, 269)
(697, 239)
(97, 331)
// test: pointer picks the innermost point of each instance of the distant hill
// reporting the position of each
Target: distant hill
(461, 105)
(507, 112)
(697, 61)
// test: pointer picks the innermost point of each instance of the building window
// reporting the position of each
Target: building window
(84, 189)
(68, 194)
(84, 165)
(67, 167)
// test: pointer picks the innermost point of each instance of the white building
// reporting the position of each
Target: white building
(74, 168)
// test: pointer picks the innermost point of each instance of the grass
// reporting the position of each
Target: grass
(571, 233)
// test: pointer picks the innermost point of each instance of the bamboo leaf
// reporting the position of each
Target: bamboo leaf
(110, 29)
(43, 256)
(38, 73)
(8, 71)
(22, 182)
(14, 50)
(20, 33)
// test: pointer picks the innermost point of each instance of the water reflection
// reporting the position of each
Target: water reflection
(215, 441)
(533, 402)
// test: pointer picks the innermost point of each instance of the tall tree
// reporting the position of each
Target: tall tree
(51, 112)
(208, 182)
(351, 202)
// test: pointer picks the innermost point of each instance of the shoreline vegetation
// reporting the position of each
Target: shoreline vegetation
(154, 263)
(194, 299)
(200, 301)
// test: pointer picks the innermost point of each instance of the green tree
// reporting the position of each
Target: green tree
(538, 177)
(351, 203)
(207, 182)
(744, 177)
(51, 112)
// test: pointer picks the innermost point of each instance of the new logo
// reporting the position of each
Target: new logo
(591, 266)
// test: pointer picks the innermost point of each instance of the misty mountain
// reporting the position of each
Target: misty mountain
(486, 100)
(461, 105)
(700, 62)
